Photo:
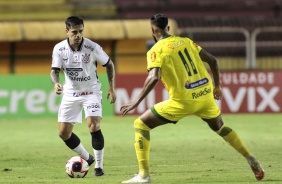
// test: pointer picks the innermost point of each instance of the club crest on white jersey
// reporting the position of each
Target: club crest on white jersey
(79, 66)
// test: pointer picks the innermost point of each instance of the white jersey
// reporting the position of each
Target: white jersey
(79, 66)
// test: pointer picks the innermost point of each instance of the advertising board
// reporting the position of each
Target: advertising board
(33, 96)
(243, 92)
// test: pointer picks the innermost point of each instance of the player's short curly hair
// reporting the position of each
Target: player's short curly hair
(159, 20)
(73, 21)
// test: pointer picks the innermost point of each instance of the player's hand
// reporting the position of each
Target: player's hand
(217, 93)
(112, 94)
(58, 88)
(128, 107)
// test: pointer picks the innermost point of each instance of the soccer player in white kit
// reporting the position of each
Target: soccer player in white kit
(79, 57)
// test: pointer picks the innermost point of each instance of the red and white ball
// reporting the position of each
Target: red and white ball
(77, 167)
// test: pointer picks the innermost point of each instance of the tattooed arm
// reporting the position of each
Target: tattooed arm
(54, 75)
(110, 68)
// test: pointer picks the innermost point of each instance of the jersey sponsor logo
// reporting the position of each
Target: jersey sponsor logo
(176, 44)
(153, 56)
(89, 47)
(74, 69)
(62, 48)
(73, 74)
(85, 58)
(93, 107)
(203, 92)
(80, 79)
(196, 84)
(75, 59)
(170, 46)
(77, 94)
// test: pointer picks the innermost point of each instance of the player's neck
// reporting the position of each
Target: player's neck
(74, 46)
(164, 36)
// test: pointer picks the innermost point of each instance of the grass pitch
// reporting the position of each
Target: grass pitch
(188, 152)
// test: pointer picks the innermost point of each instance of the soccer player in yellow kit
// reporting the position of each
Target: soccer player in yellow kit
(178, 62)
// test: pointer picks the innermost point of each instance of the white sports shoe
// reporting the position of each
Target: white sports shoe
(138, 179)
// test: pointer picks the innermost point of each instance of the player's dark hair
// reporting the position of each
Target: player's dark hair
(73, 21)
(159, 20)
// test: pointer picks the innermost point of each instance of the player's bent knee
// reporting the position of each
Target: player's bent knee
(138, 124)
(224, 131)
(93, 127)
(64, 136)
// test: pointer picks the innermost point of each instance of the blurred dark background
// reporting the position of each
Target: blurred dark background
(242, 34)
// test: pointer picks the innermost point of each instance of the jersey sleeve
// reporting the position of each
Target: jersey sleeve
(195, 46)
(153, 59)
(56, 59)
(101, 55)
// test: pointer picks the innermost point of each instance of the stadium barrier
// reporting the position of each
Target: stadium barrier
(55, 30)
(26, 47)
(259, 48)
(10, 31)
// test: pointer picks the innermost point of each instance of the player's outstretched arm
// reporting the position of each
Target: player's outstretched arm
(110, 68)
(150, 82)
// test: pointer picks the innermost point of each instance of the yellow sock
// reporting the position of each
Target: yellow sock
(234, 140)
(142, 146)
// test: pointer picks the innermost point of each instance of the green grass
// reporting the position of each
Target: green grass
(188, 152)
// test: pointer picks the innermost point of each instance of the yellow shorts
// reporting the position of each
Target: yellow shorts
(172, 111)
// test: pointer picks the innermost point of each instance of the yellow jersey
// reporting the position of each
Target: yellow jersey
(183, 73)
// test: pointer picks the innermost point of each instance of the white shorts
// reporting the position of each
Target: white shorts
(70, 109)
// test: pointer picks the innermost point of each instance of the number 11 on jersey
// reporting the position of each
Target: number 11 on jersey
(186, 64)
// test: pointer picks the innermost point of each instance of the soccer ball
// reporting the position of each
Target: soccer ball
(77, 167)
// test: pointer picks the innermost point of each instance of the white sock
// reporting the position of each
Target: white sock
(99, 158)
(81, 151)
